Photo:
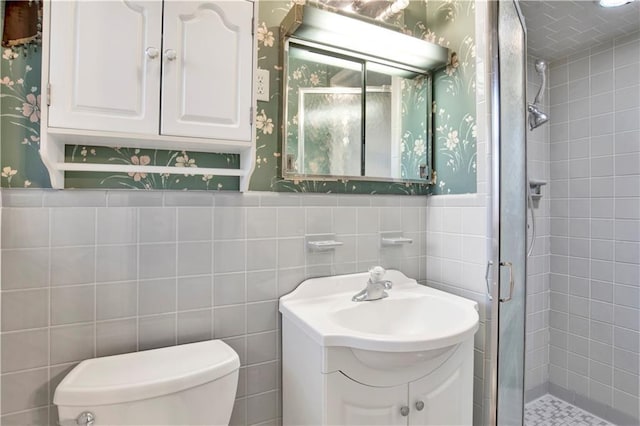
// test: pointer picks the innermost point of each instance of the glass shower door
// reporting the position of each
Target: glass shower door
(510, 210)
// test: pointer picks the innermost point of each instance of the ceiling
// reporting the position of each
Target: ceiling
(557, 29)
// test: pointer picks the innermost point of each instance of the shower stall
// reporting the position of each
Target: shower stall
(565, 329)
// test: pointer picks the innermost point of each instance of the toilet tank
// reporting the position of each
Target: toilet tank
(193, 384)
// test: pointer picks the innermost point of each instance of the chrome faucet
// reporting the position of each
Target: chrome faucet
(375, 288)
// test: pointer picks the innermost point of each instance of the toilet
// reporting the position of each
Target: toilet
(193, 384)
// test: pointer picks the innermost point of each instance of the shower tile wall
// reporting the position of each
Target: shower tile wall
(537, 322)
(595, 230)
(92, 273)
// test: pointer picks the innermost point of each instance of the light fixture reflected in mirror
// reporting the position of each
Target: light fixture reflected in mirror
(393, 9)
(380, 10)
(614, 3)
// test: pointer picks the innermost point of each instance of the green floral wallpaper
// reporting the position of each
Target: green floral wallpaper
(451, 23)
(448, 22)
(20, 115)
(414, 145)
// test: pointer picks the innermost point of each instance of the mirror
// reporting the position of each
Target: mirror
(354, 118)
(353, 112)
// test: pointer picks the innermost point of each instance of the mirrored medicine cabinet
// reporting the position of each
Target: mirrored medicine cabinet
(357, 98)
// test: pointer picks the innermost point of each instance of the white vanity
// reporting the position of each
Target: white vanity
(405, 359)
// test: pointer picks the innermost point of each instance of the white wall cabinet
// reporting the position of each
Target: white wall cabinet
(103, 74)
(206, 88)
(174, 75)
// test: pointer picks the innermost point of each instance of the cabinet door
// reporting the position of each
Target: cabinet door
(352, 403)
(103, 69)
(447, 394)
(207, 69)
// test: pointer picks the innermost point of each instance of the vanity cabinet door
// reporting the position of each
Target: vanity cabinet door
(444, 397)
(104, 65)
(351, 403)
(207, 69)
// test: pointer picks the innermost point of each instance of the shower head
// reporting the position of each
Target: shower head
(536, 116)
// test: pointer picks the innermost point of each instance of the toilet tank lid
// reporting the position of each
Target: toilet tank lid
(146, 374)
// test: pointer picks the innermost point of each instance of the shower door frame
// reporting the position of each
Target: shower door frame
(494, 280)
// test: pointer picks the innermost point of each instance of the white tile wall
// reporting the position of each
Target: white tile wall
(537, 320)
(456, 245)
(595, 229)
(92, 273)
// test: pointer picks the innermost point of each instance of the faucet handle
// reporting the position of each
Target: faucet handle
(377, 272)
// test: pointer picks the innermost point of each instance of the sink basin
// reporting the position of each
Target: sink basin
(409, 316)
(414, 318)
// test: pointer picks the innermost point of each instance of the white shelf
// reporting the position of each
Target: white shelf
(394, 239)
(52, 147)
(134, 140)
(322, 242)
(126, 168)
(325, 244)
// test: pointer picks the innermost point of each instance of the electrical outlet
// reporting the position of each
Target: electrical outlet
(262, 85)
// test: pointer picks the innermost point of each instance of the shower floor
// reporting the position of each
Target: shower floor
(551, 411)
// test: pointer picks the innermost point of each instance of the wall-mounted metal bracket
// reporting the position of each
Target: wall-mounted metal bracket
(486, 279)
(511, 281)
(536, 187)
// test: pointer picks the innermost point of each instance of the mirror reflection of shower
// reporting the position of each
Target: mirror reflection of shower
(536, 116)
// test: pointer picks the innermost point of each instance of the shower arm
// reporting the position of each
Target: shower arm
(538, 99)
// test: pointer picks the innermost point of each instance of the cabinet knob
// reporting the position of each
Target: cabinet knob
(170, 54)
(419, 405)
(152, 52)
(404, 411)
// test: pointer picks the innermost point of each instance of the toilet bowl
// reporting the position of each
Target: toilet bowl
(193, 384)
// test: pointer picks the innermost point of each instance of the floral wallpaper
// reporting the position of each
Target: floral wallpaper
(451, 23)
(448, 22)
(20, 116)
(414, 146)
